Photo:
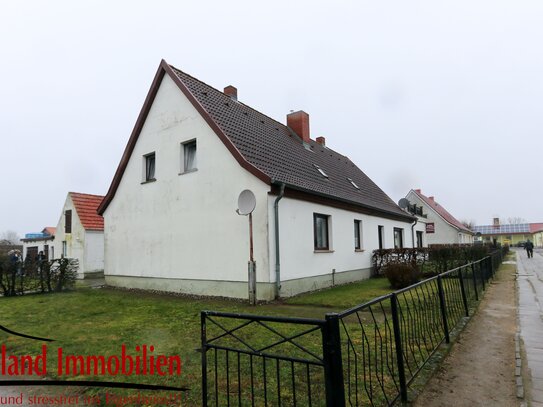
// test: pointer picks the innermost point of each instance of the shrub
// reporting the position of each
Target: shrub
(401, 275)
(18, 278)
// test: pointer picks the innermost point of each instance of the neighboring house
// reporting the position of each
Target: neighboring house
(510, 234)
(441, 226)
(170, 212)
(80, 233)
(33, 243)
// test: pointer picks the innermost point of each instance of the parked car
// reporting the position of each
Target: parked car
(521, 244)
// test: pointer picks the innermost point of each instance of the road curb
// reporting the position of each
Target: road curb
(518, 355)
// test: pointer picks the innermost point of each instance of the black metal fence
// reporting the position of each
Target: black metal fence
(365, 356)
(18, 277)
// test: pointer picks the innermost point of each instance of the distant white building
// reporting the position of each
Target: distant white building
(170, 212)
(80, 233)
(440, 226)
(34, 243)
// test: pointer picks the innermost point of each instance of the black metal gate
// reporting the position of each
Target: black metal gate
(364, 356)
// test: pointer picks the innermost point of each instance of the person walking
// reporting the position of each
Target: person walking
(529, 246)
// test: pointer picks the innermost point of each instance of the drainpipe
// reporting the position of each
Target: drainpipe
(277, 257)
(413, 231)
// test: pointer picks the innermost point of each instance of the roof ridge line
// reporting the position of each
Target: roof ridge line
(84, 193)
(241, 103)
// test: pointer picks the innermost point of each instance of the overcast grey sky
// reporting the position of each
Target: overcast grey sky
(440, 95)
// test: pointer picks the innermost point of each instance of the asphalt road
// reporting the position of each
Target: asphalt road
(530, 288)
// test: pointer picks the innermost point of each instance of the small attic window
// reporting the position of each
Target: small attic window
(319, 169)
(353, 183)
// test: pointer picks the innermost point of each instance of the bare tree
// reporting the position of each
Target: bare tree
(470, 224)
(10, 237)
(516, 220)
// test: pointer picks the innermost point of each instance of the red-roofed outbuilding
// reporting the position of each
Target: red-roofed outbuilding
(80, 233)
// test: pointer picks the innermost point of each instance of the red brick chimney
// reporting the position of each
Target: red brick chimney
(299, 123)
(321, 140)
(431, 198)
(418, 191)
(231, 91)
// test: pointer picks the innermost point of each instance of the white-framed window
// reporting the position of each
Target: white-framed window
(357, 234)
(64, 249)
(321, 231)
(381, 236)
(398, 238)
(149, 166)
(420, 242)
(188, 156)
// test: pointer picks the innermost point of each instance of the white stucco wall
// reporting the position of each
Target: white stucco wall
(40, 244)
(183, 226)
(94, 251)
(298, 258)
(75, 241)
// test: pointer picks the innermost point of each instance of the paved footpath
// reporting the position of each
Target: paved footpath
(530, 286)
(480, 369)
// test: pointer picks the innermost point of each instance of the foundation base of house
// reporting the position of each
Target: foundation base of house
(306, 284)
(89, 275)
(237, 289)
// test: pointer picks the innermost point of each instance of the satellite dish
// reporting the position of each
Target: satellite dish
(246, 202)
(403, 203)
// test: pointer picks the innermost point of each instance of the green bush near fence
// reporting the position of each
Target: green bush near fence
(32, 276)
(431, 260)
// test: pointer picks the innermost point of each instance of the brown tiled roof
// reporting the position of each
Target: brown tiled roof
(269, 149)
(536, 227)
(279, 153)
(442, 212)
(86, 206)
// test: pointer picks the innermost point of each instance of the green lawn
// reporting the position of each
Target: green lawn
(98, 321)
(91, 321)
(345, 296)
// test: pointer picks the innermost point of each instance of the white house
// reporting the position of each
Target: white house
(80, 233)
(170, 212)
(33, 243)
(441, 226)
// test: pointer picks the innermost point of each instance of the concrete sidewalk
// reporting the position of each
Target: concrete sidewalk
(530, 288)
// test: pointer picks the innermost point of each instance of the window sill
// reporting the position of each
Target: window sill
(323, 251)
(359, 250)
(188, 172)
(148, 181)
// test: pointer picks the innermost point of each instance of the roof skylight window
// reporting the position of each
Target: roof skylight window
(319, 169)
(353, 183)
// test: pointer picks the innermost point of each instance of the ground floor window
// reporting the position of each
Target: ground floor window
(320, 231)
(419, 238)
(381, 234)
(357, 235)
(64, 249)
(398, 238)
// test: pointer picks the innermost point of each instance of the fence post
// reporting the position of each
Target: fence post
(482, 268)
(443, 309)
(474, 278)
(492, 265)
(398, 343)
(204, 357)
(463, 289)
(333, 364)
